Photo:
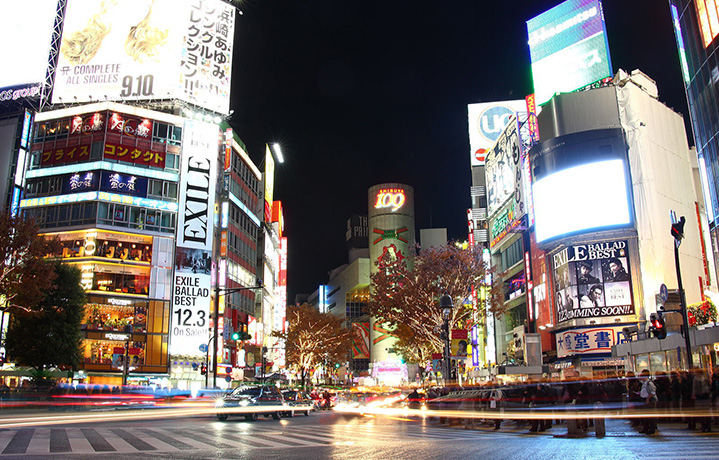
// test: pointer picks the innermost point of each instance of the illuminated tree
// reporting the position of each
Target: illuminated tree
(313, 338)
(25, 273)
(407, 300)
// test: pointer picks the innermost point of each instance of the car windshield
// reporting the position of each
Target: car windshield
(246, 391)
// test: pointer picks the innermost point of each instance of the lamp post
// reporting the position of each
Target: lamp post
(445, 306)
(216, 322)
(677, 231)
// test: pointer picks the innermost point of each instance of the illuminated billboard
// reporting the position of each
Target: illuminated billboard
(486, 123)
(25, 31)
(580, 184)
(131, 51)
(592, 281)
(708, 16)
(568, 48)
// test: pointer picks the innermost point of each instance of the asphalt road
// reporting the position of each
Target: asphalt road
(333, 436)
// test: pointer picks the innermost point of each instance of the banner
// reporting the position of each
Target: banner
(360, 341)
(593, 280)
(191, 304)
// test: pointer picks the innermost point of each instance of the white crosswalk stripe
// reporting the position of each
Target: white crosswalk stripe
(73, 440)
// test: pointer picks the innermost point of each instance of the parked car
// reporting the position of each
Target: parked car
(297, 399)
(263, 400)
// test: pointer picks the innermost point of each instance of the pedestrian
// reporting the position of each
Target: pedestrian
(649, 394)
(688, 399)
(496, 403)
(700, 393)
(634, 386)
(676, 395)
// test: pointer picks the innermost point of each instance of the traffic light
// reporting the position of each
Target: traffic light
(678, 229)
(235, 336)
(203, 369)
(658, 327)
(337, 365)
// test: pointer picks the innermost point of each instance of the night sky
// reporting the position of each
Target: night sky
(358, 94)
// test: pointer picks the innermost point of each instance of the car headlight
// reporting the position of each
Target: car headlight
(245, 402)
(219, 402)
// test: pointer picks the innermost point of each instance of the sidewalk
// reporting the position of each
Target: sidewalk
(614, 428)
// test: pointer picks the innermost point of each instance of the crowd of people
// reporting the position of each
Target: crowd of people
(679, 396)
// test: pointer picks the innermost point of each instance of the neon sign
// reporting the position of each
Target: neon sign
(390, 198)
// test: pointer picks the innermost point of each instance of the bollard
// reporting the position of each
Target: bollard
(600, 429)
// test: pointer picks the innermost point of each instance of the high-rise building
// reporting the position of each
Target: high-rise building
(696, 26)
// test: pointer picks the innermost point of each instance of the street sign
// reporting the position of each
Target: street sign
(663, 292)
(203, 348)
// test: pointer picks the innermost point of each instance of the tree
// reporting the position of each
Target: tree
(313, 338)
(408, 300)
(49, 334)
(25, 273)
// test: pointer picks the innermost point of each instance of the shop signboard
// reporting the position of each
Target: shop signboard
(593, 340)
(193, 264)
(164, 49)
(125, 184)
(592, 281)
(80, 182)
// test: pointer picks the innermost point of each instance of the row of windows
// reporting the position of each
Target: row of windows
(121, 215)
(240, 219)
(240, 168)
(238, 246)
(512, 255)
(64, 215)
(60, 129)
(162, 190)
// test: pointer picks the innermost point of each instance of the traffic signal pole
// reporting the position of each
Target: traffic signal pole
(677, 231)
(683, 305)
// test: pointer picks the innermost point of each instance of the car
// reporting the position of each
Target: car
(260, 400)
(297, 399)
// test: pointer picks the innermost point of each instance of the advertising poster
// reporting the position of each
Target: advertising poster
(146, 49)
(191, 300)
(592, 281)
(459, 344)
(360, 340)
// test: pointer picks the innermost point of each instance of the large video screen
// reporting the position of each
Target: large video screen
(581, 198)
(141, 50)
(568, 48)
(25, 30)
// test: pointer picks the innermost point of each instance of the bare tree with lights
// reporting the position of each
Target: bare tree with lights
(407, 299)
(312, 339)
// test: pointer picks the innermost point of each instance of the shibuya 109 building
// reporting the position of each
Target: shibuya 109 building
(118, 145)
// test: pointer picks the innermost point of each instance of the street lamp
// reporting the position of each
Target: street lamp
(213, 339)
(445, 306)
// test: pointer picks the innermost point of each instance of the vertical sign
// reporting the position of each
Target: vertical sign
(191, 298)
(269, 182)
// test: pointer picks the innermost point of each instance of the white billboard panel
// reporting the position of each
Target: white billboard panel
(25, 30)
(585, 197)
(486, 123)
(140, 50)
(191, 299)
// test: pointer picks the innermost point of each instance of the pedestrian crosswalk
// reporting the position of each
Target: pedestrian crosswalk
(110, 439)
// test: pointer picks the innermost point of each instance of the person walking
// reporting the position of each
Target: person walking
(649, 394)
